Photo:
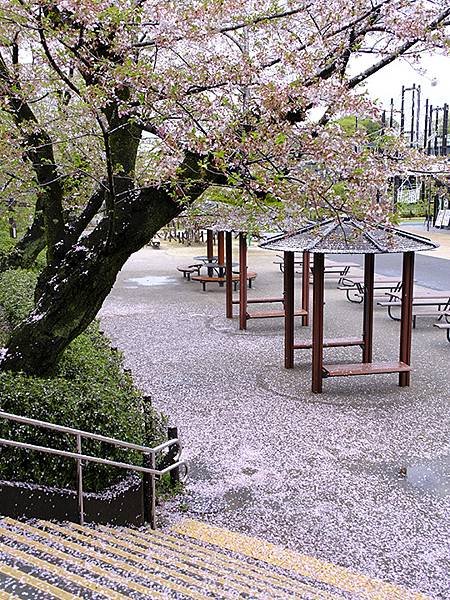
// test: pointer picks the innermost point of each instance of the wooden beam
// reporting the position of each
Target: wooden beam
(220, 248)
(369, 278)
(289, 310)
(406, 316)
(317, 326)
(229, 274)
(242, 281)
(305, 287)
(209, 245)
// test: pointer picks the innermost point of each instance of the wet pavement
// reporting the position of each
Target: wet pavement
(358, 476)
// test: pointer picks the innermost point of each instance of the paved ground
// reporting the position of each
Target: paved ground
(322, 475)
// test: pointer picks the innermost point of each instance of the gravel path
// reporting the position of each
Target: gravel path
(322, 475)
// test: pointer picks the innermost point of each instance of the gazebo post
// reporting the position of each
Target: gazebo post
(406, 315)
(289, 310)
(242, 281)
(229, 274)
(220, 251)
(317, 327)
(210, 249)
(305, 287)
(369, 268)
(209, 244)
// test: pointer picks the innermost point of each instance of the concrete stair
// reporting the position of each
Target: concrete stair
(41, 559)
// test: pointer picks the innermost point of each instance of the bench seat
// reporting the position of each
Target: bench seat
(189, 269)
(344, 370)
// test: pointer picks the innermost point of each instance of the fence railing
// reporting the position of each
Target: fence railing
(149, 458)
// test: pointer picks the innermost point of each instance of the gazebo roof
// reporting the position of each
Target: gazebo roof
(348, 236)
(220, 216)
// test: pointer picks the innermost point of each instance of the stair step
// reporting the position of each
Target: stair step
(193, 560)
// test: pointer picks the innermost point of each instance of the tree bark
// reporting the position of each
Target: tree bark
(70, 293)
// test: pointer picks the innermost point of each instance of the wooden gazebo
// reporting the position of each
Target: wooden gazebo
(243, 300)
(348, 236)
(225, 220)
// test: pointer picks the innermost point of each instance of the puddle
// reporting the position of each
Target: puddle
(149, 281)
(430, 476)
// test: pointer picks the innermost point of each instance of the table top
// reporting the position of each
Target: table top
(206, 259)
(215, 265)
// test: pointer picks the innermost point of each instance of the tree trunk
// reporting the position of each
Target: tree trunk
(71, 292)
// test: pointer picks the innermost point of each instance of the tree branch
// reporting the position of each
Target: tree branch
(39, 151)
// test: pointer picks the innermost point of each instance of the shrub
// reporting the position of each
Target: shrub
(88, 391)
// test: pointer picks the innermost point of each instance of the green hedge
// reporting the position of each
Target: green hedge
(89, 391)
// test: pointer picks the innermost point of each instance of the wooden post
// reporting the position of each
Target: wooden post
(369, 268)
(305, 287)
(317, 326)
(289, 310)
(210, 250)
(220, 248)
(229, 274)
(242, 281)
(406, 315)
(209, 245)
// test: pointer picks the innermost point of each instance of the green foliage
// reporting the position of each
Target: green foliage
(89, 391)
(411, 209)
(16, 294)
(350, 123)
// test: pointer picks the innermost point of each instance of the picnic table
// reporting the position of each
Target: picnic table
(354, 286)
(219, 269)
(432, 303)
(332, 267)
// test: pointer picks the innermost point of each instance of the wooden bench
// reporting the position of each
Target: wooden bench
(445, 326)
(204, 279)
(344, 370)
(189, 269)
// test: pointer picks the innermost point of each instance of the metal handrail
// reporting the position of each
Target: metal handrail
(148, 452)
(84, 434)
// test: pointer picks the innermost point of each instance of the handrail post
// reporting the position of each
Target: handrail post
(149, 490)
(172, 434)
(80, 482)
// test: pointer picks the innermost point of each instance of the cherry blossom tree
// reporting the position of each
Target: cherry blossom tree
(129, 111)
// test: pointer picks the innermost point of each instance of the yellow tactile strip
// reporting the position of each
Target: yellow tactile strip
(262, 579)
(35, 582)
(217, 587)
(302, 564)
(115, 563)
(55, 569)
(178, 560)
